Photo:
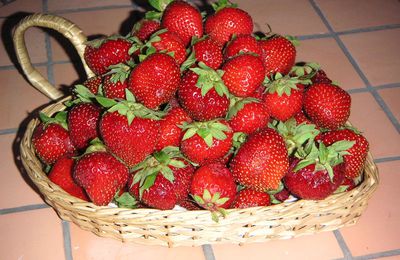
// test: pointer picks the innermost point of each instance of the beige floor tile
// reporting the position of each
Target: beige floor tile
(55, 5)
(284, 17)
(86, 245)
(377, 54)
(66, 75)
(319, 246)
(31, 6)
(18, 98)
(369, 118)
(379, 227)
(35, 234)
(396, 257)
(391, 97)
(332, 60)
(16, 188)
(351, 14)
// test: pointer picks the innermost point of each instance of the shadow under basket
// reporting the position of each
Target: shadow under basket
(171, 227)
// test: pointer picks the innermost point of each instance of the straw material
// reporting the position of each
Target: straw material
(183, 228)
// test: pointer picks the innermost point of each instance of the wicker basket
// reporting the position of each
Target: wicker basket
(171, 227)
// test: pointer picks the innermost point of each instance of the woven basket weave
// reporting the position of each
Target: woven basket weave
(171, 227)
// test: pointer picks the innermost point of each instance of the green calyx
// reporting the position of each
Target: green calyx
(209, 131)
(126, 200)
(96, 43)
(158, 163)
(307, 69)
(137, 44)
(283, 84)
(120, 72)
(212, 203)
(209, 78)
(236, 104)
(189, 62)
(293, 40)
(159, 5)
(96, 145)
(59, 118)
(222, 4)
(297, 137)
(325, 157)
(129, 107)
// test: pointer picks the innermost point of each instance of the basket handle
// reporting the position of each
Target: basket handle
(72, 32)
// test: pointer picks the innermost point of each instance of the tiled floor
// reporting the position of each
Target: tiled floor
(355, 41)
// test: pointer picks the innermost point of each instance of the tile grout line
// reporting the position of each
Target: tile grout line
(208, 252)
(25, 208)
(67, 240)
(342, 243)
(8, 131)
(395, 252)
(387, 159)
(355, 65)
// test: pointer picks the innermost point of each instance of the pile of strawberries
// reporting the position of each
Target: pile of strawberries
(197, 111)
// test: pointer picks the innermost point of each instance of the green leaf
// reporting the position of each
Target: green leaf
(177, 164)
(221, 201)
(167, 173)
(215, 197)
(130, 116)
(218, 134)
(106, 102)
(203, 132)
(302, 164)
(149, 181)
(206, 195)
(189, 133)
(208, 140)
(126, 200)
(198, 200)
(342, 145)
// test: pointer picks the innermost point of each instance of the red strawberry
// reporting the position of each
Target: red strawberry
(209, 52)
(114, 88)
(300, 117)
(243, 44)
(189, 204)
(83, 120)
(162, 180)
(348, 184)
(199, 101)
(93, 84)
(184, 20)
(155, 80)
(279, 55)
(250, 198)
(213, 188)
(282, 195)
(205, 142)
(51, 141)
(61, 174)
(169, 42)
(102, 53)
(321, 77)
(145, 28)
(243, 74)
(355, 160)
(101, 175)
(284, 97)
(261, 161)
(227, 22)
(327, 105)
(247, 115)
(170, 132)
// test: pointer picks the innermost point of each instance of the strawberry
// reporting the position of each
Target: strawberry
(183, 19)
(189, 204)
(321, 77)
(83, 120)
(129, 130)
(243, 74)
(145, 28)
(227, 21)
(115, 81)
(250, 198)
(327, 105)
(247, 115)
(51, 139)
(101, 53)
(245, 43)
(209, 52)
(61, 174)
(279, 55)
(162, 180)
(202, 94)
(93, 84)
(348, 184)
(213, 188)
(261, 162)
(281, 196)
(204, 142)
(101, 175)
(355, 160)
(284, 97)
(300, 117)
(169, 42)
(155, 80)
(170, 132)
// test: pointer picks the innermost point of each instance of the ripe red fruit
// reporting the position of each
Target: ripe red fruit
(169, 42)
(184, 20)
(145, 28)
(213, 188)
(245, 43)
(227, 22)
(243, 74)
(250, 198)
(321, 77)
(189, 204)
(100, 54)
(114, 88)
(101, 175)
(327, 105)
(170, 131)
(205, 142)
(209, 52)
(155, 80)
(355, 160)
(51, 142)
(61, 174)
(279, 55)
(93, 84)
(83, 121)
(300, 117)
(261, 161)
(201, 107)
